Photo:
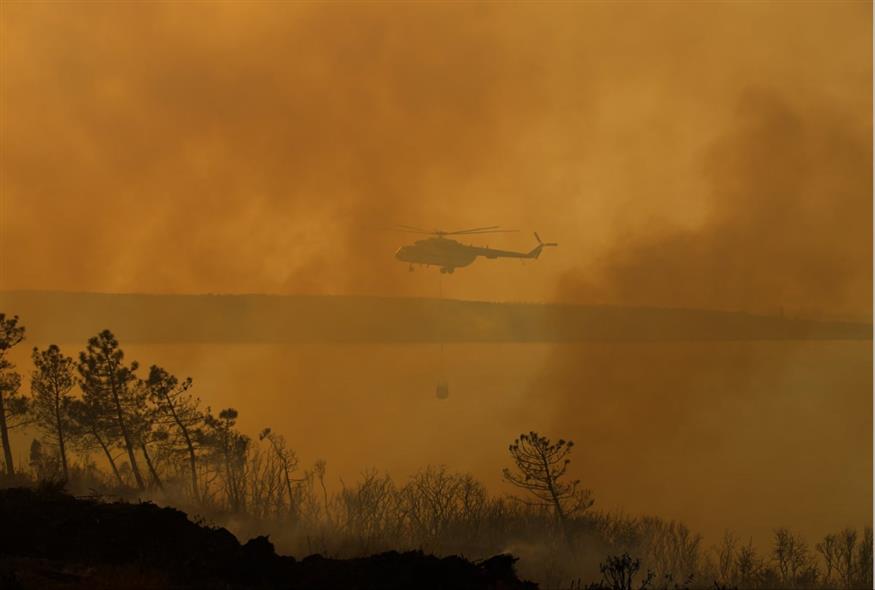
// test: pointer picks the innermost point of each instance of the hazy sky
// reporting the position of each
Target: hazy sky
(715, 155)
(682, 154)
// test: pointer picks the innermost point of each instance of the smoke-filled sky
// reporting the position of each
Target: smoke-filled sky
(713, 155)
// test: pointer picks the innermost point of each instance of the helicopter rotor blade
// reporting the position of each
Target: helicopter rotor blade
(490, 231)
(412, 228)
(410, 231)
(473, 229)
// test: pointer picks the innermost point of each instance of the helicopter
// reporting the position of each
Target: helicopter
(448, 254)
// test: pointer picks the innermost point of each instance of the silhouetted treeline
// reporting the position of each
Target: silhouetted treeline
(107, 428)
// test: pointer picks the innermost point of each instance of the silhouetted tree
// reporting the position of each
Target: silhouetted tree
(44, 465)
(750, 568)
(829, 550)
(287, 459)
(437, 502)
(864, 560)
(231, 449)
(671, 549)
(104, 375)
(540, 470)
(726, 558)
(792, 558)
(93, 427)
(263, 487)
(309, 508)
(177, 411)
(618, 573)
(50, 385)
(369, 512)
(143, 419)
(852, 560)
(319, 470)
(12, 405)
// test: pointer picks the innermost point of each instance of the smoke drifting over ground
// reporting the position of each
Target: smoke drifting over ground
(788, 231)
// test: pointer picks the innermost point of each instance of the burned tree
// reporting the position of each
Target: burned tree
(319, 470)
(104, 375)
(230, 449)
(12, 406)
(177, 412)
(288, 460)
(50, 386)
(619, 572)
(437, 502)
(369, 512)
(540, 470)
(793, 560)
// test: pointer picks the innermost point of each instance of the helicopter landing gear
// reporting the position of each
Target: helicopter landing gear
(447, 270)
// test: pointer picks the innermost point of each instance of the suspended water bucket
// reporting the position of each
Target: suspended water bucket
(443, 390)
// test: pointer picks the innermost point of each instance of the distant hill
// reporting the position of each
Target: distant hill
(73, 317)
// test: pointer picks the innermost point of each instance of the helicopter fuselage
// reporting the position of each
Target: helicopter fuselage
(449, 254)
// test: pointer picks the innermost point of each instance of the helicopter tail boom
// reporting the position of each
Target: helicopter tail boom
(536, 251)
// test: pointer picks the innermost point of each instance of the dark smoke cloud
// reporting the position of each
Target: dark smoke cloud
(790, 223)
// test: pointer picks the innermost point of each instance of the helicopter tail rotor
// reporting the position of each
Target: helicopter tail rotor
(536, 251)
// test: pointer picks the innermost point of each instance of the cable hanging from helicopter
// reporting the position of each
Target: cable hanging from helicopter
(449, 254)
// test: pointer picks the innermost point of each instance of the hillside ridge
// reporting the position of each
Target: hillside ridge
(72, 316)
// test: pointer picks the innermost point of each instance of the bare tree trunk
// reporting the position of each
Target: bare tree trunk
(324, 494)
(288, 486)
(112, 464)
(189, 445)
(152, 471)
(4, 433)
(129, 447)
(560, 513)
(61, 445)
(192, 460)
(229, 483)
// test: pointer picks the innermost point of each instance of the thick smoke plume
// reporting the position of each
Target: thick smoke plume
(223, 148)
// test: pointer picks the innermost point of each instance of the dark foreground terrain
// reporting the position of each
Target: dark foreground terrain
(53, 540)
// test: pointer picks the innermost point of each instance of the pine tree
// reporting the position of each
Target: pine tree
(13, 407)
(178, 413)
(94, 427)
(107, 384)
(142, 419)
(541, 467)
(50, 386)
